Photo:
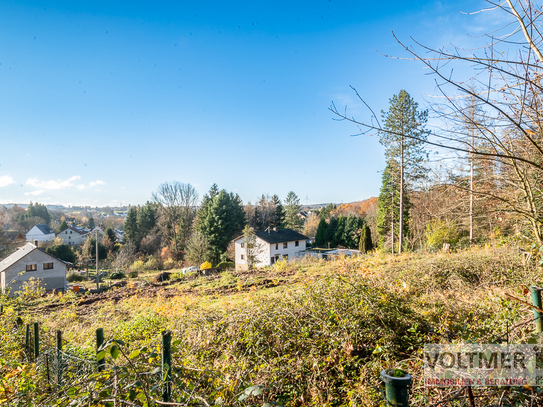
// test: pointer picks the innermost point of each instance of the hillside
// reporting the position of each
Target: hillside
(310, 333)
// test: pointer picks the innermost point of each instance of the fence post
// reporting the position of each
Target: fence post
(536, 301)
(166, 365)
(27, 342)
(59, 359)
(36, 340)
(99, 343)
(396, 388)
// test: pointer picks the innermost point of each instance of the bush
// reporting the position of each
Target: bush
(169, 264)
(74, 277)
(226, 265)
(205, 265)
(153, 263)
(133, 273)
(138, 265)
(117, 275)
(439, 232)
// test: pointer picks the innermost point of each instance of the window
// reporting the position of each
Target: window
(69, 237)
(31, 267)
(272, 260)
(277, 247)
(70, 232)
(242, 244)
(47, 266)
(242, 257)
(285, 245)
(296, 243)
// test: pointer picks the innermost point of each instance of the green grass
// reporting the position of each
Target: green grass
(311, 333)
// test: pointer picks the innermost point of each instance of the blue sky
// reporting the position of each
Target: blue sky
(103, 101)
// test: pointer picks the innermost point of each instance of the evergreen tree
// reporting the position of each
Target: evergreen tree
(320, 237)
(131, 227)
(110, 233)
(365, 240)
(292, 208)
(220, 217)
(403, 136)
(339, 232)
(63, 226)
(35, 210)
(278, 218)
(146, 220)
(388, 208)
(331, 232)
(91, 223)
(63, 251)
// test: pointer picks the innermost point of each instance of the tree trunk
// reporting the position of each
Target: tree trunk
(400, 233)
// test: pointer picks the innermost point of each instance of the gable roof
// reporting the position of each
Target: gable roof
(22, 252)
(14, 235)
(77, 230)
(46, 230)
(279, 236)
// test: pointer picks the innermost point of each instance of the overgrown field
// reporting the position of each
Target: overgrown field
(306, 334)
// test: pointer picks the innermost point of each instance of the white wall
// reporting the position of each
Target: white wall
(72, 238)
(16, 275)
(264, 258)
(36, 234)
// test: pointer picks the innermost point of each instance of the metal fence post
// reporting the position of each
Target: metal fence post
(36, 340)
(99, 343)
(59, 359)
(27, 342)
(536, 301)
(167, 365)
(396, 388)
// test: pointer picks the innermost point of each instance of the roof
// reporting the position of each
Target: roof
(76, 230)
(279, 236)
(22, 252)
(46, 230)
(14, 235)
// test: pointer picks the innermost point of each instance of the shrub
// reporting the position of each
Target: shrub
(439, 232)
(117, 275)
(169, 264)
(205, 265)
(74, 277)
(133, 273)
(226, 265)
(138, 265)
(153, 263)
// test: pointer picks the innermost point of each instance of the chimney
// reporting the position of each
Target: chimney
(36, 243)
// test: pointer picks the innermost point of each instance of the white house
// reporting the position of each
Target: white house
(272, 245)
(41, 233)
(73, 236)
(31, 261)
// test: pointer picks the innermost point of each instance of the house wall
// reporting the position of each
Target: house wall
(72, 238)
(267, 251)
(54, 278)
(36, 234)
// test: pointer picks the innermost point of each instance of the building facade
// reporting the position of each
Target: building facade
(270, 246)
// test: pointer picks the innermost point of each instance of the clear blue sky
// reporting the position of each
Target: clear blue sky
(102, 101)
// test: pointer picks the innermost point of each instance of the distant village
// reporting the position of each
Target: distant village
(57, 245)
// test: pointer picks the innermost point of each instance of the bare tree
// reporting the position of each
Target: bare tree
(511, 98)
(176, 211)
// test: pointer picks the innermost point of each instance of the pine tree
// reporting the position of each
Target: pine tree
(131, 227)
(403, 136)
(278, 218)
(320, 237)
(292, 208)
(63, 226)
(220, 217)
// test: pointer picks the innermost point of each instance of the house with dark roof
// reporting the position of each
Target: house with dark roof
(73, 236)
(31, 261)
(271, 245)
(41, 233)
